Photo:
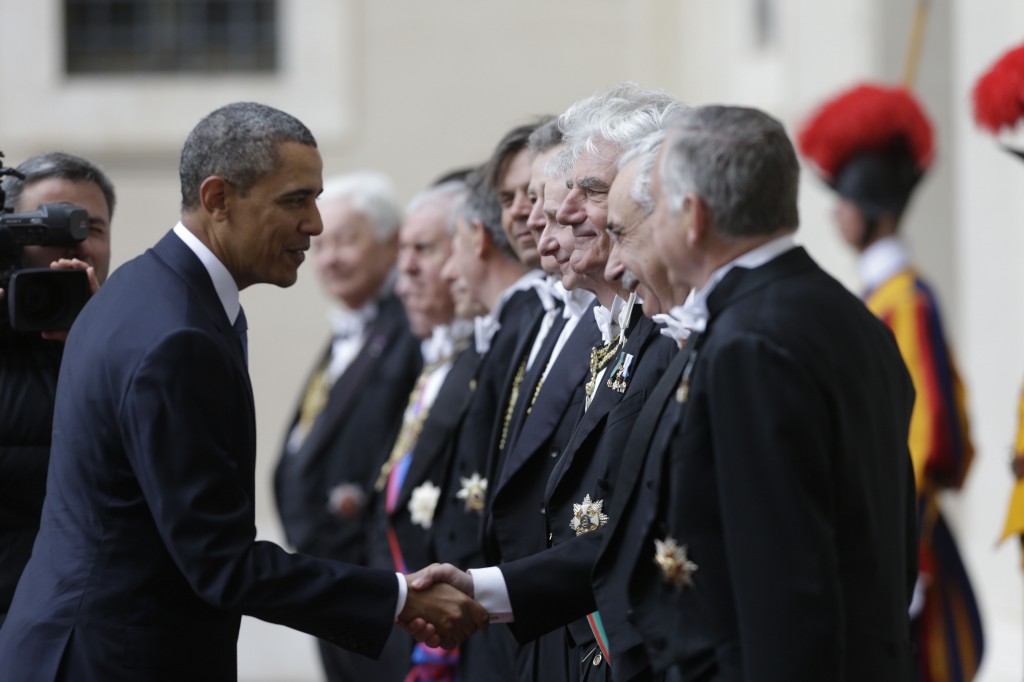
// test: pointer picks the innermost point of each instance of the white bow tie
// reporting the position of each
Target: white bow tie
(682, 320)
(576, 303)
(346, 323)
(546, 292)
(484, 328)
(444, 339)
(609, 322)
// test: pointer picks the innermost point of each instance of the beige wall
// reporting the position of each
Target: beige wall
(415, 88)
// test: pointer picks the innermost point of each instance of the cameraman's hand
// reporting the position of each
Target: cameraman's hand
(94, 286)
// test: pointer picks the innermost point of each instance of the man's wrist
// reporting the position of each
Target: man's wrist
(403, 595)
(490, 591)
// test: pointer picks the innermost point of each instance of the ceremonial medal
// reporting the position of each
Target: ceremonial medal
(422, 504)
(683, 392)
(618, 378)
(599, 358)
(473, 491)
(587, 516)
(674, 563)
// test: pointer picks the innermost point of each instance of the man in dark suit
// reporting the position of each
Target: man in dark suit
(407, 481)
(486, 277)
(768, 532)
(763, 521)
(356, 394)
(146, 557)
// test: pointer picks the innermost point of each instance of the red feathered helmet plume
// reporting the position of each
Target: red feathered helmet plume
(999, 94)
(871, 144)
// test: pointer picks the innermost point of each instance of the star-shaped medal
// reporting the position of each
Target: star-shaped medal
(587, 516)
(422, 504)
(675, 565)
(473, 491)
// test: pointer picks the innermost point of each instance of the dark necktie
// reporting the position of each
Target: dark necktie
(241, 327)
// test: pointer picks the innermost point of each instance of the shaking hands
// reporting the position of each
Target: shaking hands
(440, 609)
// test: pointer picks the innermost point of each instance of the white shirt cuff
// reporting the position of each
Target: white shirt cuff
(403, 593)
(490, 590)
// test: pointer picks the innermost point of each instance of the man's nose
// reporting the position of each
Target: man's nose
(571, 212)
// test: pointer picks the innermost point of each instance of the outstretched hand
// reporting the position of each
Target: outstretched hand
(442, 573)
(440, 615)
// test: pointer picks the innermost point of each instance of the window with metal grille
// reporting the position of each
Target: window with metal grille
(170, 36)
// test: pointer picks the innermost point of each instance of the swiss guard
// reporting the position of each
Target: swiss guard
(872, 144)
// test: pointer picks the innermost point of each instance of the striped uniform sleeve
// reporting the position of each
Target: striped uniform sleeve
(939, 434)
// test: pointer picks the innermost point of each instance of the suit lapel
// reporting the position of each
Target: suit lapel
(565, 376)
(353, 380)
(647, 423)
(444, 416)
(605, 400)
(529, 384)
(176, 254)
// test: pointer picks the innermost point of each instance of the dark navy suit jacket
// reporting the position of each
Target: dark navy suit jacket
(146, 557)
(514, 524)
(364, 410)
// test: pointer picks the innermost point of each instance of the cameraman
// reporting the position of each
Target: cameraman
(29, 363)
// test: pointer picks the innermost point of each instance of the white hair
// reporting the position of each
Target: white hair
(371, 194)
(620, 116)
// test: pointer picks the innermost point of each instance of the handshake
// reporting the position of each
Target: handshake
(439, 608)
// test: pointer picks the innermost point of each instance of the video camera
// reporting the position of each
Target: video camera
(40, 299)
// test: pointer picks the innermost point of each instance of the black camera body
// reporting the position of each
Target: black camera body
(40, 299)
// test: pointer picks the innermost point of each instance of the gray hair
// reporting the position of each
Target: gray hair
(370, 194)
(645, 152)
(56, 165)
(449, 191)
(741, 163)
(238, 142)
(620, 116)
(547, 136)
(481, 204)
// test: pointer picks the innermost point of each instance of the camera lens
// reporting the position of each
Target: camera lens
(44, 299)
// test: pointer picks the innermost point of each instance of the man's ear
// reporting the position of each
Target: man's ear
(481, 239)
(213, 196)
(696, 217)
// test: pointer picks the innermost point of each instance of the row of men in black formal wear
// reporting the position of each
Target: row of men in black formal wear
(615, 328)
(604, 379)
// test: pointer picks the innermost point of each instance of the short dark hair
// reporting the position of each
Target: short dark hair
(57, 165)
(238, 142)
(513, 142)
(481, 203)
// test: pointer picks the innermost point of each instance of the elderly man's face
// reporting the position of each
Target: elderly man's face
(634, 260)
(465, 271)
(535, 192)
(424, 245)
(351, 260)
(515, 208)
(556, 240)
(585, 209)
